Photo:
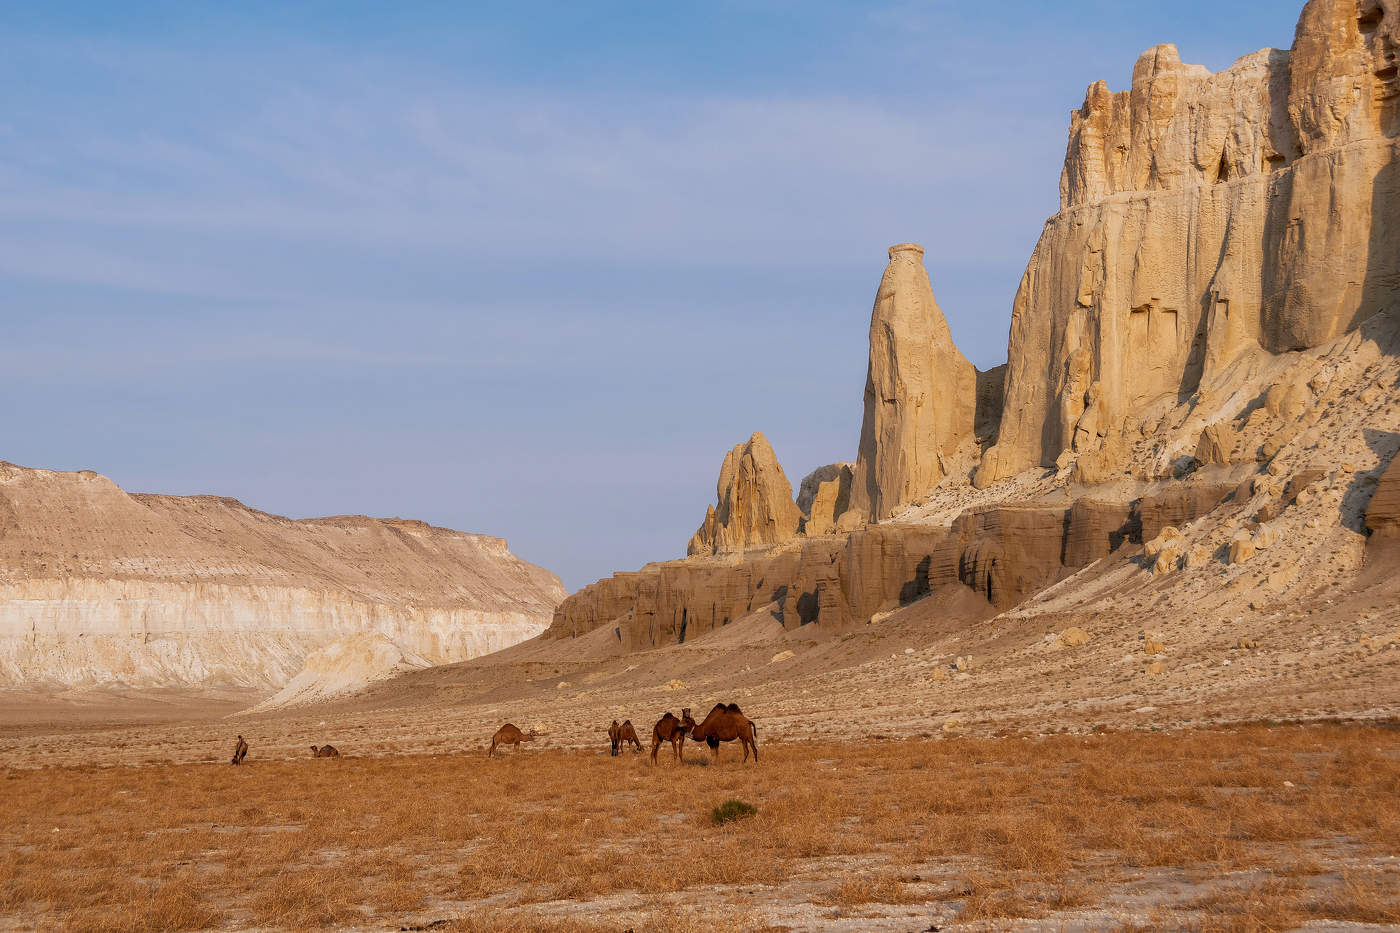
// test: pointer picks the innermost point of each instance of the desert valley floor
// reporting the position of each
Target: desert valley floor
(1043, 786)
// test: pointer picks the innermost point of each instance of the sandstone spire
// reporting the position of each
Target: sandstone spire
(920, 392)
(755, 503)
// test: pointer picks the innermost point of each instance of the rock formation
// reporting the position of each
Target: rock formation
(99, 586)
(825, 495)
(1205, 216)
(755, 503)
(1383, 512)
(921, 394)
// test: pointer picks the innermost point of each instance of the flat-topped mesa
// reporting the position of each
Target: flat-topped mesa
(920, 392)
(755, 507)
(1205, 217)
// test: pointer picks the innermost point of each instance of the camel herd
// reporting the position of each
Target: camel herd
(725, 723)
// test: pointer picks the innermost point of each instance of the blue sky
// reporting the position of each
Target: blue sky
(527, 269)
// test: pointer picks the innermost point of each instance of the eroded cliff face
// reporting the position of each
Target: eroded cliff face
(1204, 217)
(98, 586)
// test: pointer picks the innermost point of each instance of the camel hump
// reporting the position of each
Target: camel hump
(627, 722)
(733, 708)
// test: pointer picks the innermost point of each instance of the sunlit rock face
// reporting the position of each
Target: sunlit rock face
(98, 586)
(1202, 217)
(755, 507)
(920, 392)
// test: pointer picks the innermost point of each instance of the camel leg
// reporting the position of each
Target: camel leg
(491, 752)
(655, 745)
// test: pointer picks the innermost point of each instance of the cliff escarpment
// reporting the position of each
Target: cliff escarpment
(1202, 369)
(98, 586)
(1205, 217)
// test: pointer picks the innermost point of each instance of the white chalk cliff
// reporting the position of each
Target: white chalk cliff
(99, 586)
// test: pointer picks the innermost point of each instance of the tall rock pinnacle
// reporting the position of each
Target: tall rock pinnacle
(920, 392)
(755, 508)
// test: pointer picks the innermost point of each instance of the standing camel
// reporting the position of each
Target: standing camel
(628, 734)
(509, 735)
(725, 724)
(670, 729)
(240, 751)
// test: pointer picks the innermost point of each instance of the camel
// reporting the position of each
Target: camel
(240, 751)
(725, 724)
(614, 736)
(629, 734)
(509, 735)
(670, 729)
(324, 751)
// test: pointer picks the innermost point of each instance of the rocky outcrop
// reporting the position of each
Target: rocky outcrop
(921, 394)
(1205, 216)
(824, 497)
(755, 503)
(1004, 554)
(1383, 513)
(98, 586)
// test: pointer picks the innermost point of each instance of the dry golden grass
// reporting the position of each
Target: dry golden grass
(1022, 827)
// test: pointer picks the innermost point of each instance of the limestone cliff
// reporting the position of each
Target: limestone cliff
(920, 392)
(755, 503)
(100, 586)
(1204, 217)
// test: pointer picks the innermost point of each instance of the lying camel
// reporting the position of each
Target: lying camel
(240, 751)
(725, 724)
(509, 735)
(324, 751)
(670, 729)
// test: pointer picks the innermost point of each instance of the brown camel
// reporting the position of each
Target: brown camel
(614, 736)
(725, 724)
(670, 729)
(628, 733)
(324, 751)
(240, 751)
(509, 735)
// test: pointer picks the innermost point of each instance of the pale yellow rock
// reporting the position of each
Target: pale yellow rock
(1153, 646)
(1205, 218)
(1288, 401)
(675, 685)
(1198, 556)
(1242, 547)
(1156, 668)
(1073, 637)
(755, 507)
(1168, 537)
(1217, 444)
(939, 674)
(824, 497)
(920, 392)
(780, 656)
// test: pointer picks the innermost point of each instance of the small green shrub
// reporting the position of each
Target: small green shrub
(732, 810)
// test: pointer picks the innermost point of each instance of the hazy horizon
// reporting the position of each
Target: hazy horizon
(526, 272)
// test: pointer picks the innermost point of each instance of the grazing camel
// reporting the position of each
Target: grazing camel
(725, 724)
(240, 751)
(324, 751)
(670, 729)
(509, 735)
(628, 733)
